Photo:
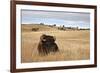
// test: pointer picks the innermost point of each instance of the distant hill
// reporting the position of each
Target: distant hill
(43, 27)
(37, 27)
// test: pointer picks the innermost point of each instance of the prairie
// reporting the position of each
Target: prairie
(73, 44)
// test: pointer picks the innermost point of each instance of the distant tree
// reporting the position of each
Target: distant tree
(63, 26)
(54, 25)
(35, 29)
(41, 23)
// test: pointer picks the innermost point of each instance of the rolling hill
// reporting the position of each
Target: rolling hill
(37, 27)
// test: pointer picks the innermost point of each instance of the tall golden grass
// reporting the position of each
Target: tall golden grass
(73, 45)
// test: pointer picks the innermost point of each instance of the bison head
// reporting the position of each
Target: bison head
(47, 38)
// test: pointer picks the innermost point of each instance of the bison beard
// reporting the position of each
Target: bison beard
(47, 44)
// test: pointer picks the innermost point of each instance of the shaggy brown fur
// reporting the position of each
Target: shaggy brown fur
(47, 44)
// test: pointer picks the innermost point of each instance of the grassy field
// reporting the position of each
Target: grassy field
(73, 44)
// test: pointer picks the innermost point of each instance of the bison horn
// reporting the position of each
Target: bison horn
(42, 37)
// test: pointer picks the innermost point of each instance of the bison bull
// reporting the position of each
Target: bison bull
(47, 44)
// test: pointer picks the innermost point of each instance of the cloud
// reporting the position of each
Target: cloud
(52, 17)
(57, 15)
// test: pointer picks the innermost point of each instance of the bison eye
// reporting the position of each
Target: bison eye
(44, 40)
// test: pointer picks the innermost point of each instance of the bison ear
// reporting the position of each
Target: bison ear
(42, 36)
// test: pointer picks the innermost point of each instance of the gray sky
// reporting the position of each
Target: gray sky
(73, 19)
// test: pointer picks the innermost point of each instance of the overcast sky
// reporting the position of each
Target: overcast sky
(82, 20)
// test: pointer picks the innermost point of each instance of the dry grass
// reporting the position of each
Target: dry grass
(73, 45)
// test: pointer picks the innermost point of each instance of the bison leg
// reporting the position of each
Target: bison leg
(55, 48)
(42, 50)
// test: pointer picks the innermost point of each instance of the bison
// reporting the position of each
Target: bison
(47, 44)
